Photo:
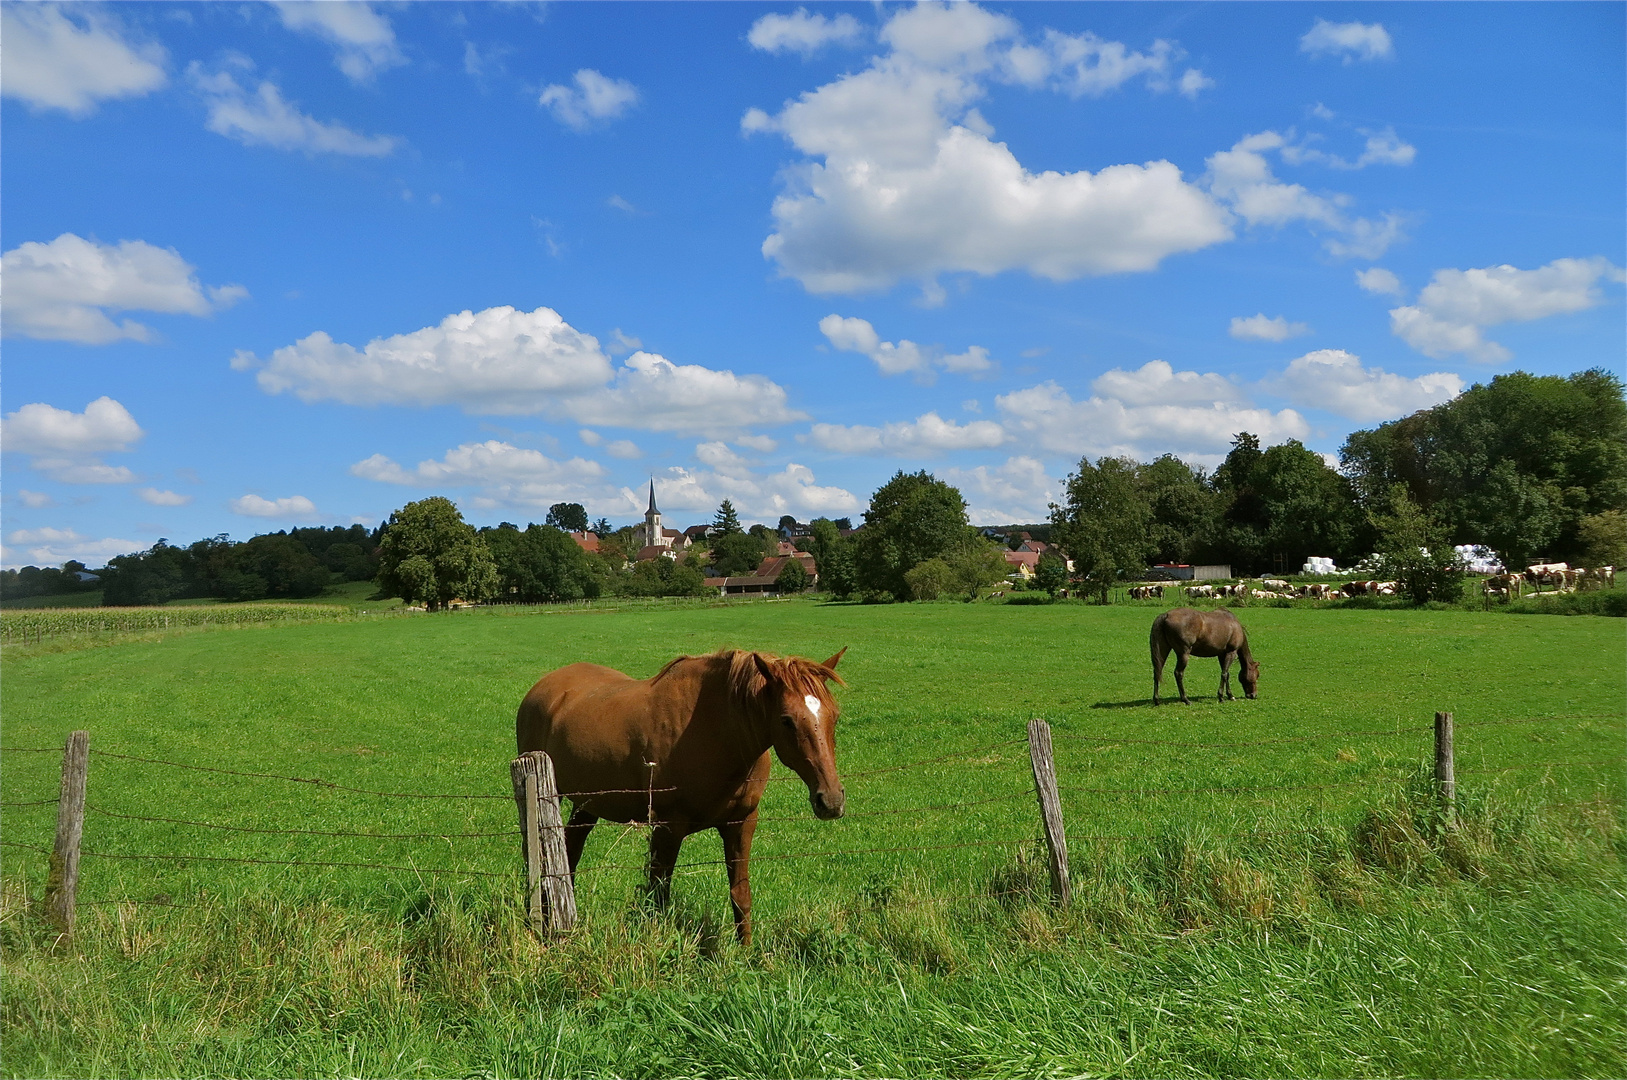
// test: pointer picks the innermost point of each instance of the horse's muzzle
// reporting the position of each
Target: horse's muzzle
(826, 807)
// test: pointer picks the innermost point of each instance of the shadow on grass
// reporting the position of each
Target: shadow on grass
(1122, 704)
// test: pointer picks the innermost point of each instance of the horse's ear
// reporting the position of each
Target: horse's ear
(831, 663)
(763, 667)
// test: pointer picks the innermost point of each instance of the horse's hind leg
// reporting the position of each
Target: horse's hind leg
(576, 836)
(1158, 654)
(737, 854)
(1180, 674)
(664, 844)
(1225, 692)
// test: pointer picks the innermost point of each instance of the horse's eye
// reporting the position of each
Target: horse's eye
(788, 722)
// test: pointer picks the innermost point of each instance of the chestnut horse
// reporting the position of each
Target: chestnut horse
(1188, 633)
(685, 750)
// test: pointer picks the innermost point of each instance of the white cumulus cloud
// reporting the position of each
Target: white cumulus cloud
(1047, 418)
(64, 290)
(928, 435)
(1260, 328)
(1376, 279)
(1019, 490)
(66, 446)
(363, 40)
(1338, 382)
(71, 57)
(594, 99)
(263, 117)
(155, 497)
(758, 496)
(1349, 41)
(802, 32)
(501, 361)
(1456, 305)
(857, 335)
(1157, 383)
(911, 185)
(291, 508)
(53, 547)
(34, 500)
(652, 393)
(501, 473)
(496, 361)
(1242, 177)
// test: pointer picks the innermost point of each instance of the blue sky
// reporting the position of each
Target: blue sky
(276, 265)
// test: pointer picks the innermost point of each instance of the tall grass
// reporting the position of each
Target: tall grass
(1404, 945)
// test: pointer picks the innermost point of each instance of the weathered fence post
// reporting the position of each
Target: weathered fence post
(62, 884)
(1445, 783)
(550, 898)
(1050, 807)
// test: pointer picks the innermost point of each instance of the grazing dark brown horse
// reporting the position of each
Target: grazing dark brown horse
(686, 750)
(1188, 633)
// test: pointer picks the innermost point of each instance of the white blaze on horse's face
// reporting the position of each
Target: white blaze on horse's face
(813, 705)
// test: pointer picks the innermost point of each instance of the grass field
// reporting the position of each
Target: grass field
(1313, 919)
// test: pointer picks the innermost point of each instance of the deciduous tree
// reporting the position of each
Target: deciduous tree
(429, 554)
(1103, 525)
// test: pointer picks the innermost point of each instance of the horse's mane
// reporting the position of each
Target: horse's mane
(746, 681)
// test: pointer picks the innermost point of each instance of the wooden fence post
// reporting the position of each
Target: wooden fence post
(550, 896)
(1050, 807)
(1445, 783)
(62, 884)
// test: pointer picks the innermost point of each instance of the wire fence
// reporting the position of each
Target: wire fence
(1012, 838)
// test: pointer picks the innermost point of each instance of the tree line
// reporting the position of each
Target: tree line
(1528, 466)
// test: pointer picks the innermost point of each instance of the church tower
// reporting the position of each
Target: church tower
(652, 521)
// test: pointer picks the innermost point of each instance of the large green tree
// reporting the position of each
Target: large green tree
(833, 557)
(1185, 509)
(912, 518)
(541, 563)
(727, 521)
(736, 554)
(1516, 464)
(567, 517)
(1104, 523)
(430, 555)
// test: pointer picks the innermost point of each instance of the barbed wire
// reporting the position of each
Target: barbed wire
(32, 802)
(362, 791)
(30, 749)
(88, 854)
(508, 833)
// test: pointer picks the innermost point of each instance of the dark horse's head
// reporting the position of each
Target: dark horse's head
(1250, 678)
(795, 705)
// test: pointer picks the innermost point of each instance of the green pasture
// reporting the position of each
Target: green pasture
(1313, 917)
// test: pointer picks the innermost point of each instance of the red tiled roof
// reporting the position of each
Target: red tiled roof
(587, 541)
(1029, 559)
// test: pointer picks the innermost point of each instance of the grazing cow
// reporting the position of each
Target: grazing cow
(1187, 632)
(1603, 577)
(1358, 588)
(1200, 590)
(1386, 588)
(1502, 585)
(1266, 594)
(1274, 583)
(1316, 592)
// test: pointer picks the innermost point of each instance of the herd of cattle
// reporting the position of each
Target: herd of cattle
(1271, 589)
(1542, 577)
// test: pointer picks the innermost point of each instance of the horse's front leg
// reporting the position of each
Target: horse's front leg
(665, 839)
(737, 854)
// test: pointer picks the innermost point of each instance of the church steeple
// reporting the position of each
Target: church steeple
(652, 521)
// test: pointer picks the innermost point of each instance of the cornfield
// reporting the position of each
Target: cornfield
(19, 627)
